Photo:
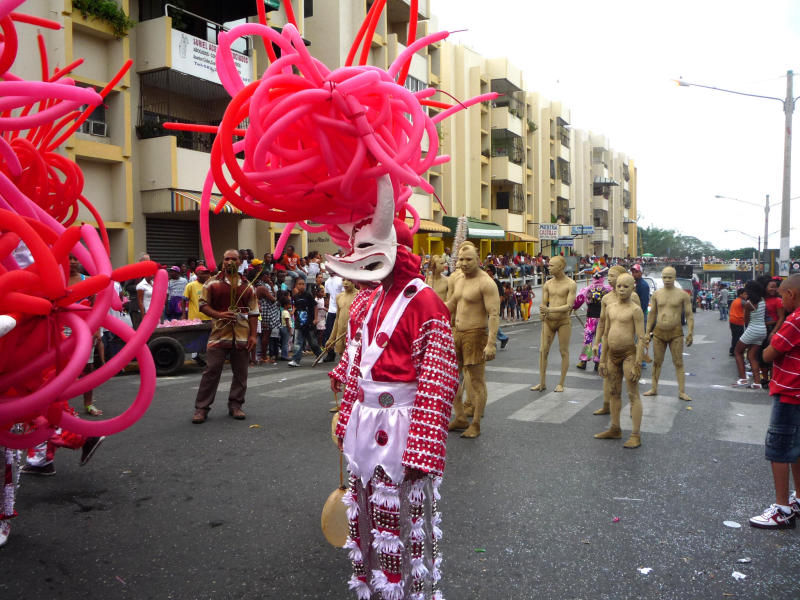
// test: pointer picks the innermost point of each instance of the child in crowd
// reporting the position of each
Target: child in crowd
(782, 445)
(320, 314)
(286, 326)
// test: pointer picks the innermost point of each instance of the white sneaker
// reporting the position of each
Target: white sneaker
(773, 518)
(5, 531)
(794, 502)
(293, 364)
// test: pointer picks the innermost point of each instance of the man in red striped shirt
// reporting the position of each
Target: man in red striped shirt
(783, 435)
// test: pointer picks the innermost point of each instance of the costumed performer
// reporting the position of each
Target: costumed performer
(592, 295)
(399, 375)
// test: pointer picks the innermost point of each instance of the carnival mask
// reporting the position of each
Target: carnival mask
(374, 244)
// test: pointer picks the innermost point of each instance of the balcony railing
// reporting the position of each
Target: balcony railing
(151, 125)
(510, 146)
(564, 171)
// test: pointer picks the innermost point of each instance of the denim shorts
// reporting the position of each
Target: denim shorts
(782, 444)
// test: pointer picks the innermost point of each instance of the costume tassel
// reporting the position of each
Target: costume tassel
(349, 500)
(355, 552)
(388, 590)
(418, 568)
(386, 496)
(437, 481)
(416, 495)
(417, 533)
(436, 572)
(436, 520)
(360, 587)
(386, 542)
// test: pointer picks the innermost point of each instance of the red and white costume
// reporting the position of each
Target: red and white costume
(400, 375)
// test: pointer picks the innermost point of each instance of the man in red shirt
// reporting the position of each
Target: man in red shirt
(783, 436)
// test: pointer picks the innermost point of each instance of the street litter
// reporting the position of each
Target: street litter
(739, 415)
(480, 549)
(255, 426)
(689, 408)
(738, 576)
(745, 560)
(629, 499)
(732, 524)
(644, 570)
(615, 520)
(573, 401)
(584, 541)
(120, 579)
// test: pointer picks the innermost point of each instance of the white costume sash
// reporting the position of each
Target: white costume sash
(377, 431)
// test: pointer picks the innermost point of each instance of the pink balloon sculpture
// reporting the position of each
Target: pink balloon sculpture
(317, 140)
(40, 193)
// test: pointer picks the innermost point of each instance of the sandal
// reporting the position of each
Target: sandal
(91, 409)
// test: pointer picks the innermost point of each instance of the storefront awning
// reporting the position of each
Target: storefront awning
(518, 236)
(182, 201)
(476, 228)
(426, 226)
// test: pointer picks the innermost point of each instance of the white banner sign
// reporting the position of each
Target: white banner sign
(197, 57)
(548, 231)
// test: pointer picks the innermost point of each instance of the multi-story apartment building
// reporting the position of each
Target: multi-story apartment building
(515, 163)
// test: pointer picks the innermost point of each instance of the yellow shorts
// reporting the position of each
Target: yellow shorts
(470, 345)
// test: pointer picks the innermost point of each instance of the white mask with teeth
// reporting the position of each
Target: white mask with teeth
(374, 245)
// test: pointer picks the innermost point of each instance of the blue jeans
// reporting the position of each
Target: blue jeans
(301, 336)
(782, 444)
(501, 337)
(723, 311)
(284, 332)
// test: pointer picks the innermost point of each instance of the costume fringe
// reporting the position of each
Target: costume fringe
(436, 572)
(388, 590)
(386, 542)
(355, 552)
(436, 520)
(417, 533)
(418, 568)
(437, 595)
(437, 481)
(360, 587)
(386, 496)
(416, 495)
(349, 500)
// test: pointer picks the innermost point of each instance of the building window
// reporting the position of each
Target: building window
(505, 144)
(564, 171)
(552, 169)
(414, 85)
(512, 200)
(600, 218)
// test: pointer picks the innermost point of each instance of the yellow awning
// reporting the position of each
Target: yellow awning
(518, 236)
(426, 226)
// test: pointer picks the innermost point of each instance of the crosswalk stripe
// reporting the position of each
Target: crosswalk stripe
(658, 413)
(499, 390)
(750, 428)
(554, 407)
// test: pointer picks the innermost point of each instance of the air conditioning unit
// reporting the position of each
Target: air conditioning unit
(97, 128)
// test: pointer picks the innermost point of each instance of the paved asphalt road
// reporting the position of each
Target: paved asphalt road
(229, 510)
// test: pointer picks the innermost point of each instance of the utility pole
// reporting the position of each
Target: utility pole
(788, 110)
(766, 229)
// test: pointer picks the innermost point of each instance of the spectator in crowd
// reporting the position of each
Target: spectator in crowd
(130, 290)
(722, 299)
(304, 331)
(232, 306)
(492, 270)
(291, 262)
(176, 287)
(316, 283)
(314, 264)
(144, 294)
(774, 315)
(191, 295)
(782, 446)
(333, 287)
(736, 318)
(287, 329)
(320, 312)
(754, 333)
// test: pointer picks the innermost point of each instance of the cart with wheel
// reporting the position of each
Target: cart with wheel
(170, 345)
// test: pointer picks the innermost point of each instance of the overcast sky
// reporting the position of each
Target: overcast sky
(613, 63)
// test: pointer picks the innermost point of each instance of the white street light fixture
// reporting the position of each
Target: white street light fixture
(788, 110)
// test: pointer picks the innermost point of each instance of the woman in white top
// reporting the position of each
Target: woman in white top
(753, 335)
(144, 292)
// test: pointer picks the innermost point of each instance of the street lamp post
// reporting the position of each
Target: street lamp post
(788, 110)
(766, 220)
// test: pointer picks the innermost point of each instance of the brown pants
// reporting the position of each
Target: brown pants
(215, 361)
